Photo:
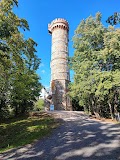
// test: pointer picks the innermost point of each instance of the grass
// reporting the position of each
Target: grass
(21, 131)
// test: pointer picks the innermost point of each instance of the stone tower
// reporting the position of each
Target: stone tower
(60, 77)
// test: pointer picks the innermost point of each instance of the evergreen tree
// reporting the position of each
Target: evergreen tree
(114, 19)
(96, 63)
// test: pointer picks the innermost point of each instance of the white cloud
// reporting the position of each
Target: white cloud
(43, 71)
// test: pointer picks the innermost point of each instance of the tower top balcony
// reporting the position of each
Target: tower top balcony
(58, 23)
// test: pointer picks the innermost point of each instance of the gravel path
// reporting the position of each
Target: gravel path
(78, 138)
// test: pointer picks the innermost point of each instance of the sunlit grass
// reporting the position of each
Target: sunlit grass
(22, 131)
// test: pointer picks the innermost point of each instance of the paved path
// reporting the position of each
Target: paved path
(78, 138)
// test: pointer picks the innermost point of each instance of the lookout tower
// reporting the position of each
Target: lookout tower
(60, 76)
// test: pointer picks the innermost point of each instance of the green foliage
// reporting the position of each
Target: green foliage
(39, 105)
(75, 105)
(114, 19)
(96, 64)
(22, 131)
(19, 83)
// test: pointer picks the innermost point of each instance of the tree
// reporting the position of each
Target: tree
(96, 63)
(114, 19)
(18, 61)
(39, 105)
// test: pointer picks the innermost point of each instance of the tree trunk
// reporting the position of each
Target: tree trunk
(23, 107)
(16, 110)
(111, 111)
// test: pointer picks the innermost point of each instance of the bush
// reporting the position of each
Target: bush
(39, 105)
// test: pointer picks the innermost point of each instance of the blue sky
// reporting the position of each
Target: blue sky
(39, 13)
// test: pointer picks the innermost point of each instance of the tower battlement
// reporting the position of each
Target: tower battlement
(58, 23)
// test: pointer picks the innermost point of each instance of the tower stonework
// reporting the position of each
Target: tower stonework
(60, 76)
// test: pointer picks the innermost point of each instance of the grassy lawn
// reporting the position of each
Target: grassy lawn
(21, 131)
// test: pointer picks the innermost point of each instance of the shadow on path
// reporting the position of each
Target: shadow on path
(78, 138)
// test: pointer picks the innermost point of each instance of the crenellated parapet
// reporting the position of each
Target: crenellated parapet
(58, 23)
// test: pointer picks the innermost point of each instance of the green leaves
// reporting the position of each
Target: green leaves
(114, 19)
(96, 64)
(19, 83)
